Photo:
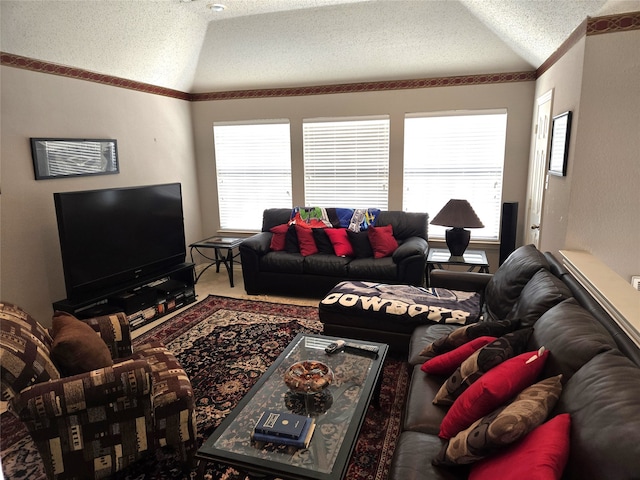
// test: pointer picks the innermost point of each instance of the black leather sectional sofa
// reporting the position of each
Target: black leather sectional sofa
(599, 363)
(291, 273)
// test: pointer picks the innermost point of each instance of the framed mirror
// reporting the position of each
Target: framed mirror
(67, 157)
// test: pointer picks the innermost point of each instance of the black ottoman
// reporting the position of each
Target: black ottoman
(389, 313)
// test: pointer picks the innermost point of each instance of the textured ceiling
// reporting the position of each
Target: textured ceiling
(256, 44)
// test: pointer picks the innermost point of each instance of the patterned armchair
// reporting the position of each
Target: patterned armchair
(93, 424)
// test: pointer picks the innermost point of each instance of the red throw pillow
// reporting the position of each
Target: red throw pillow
(382, 241)
(446, 363)
(306, 243)
(279, 236)
(340, 241)
(492, 390)
(541, 455)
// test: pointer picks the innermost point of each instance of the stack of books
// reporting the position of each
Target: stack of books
(284, 428)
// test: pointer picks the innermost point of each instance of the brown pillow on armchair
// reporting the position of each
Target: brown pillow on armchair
(77, 348)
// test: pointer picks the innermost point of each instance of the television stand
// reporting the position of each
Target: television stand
(143, 300)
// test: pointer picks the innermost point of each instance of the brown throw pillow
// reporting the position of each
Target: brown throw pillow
(504, 426)
(77, 348)
(462, 335)
(480, 362)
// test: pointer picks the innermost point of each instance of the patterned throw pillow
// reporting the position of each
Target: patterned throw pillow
(77, 348)
(480, 362)
(541, 454)
(492, 390)
(447, 363)
(504, 426)
(462, 335)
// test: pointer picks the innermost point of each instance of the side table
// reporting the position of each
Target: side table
(474, 259)
(223, 253)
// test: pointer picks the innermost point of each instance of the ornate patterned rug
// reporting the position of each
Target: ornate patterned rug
(225, 345)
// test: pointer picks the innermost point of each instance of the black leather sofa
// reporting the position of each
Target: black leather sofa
(290, 273)
(598, 361)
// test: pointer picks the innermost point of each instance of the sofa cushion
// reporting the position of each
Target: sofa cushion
(278, 239)
(542, 292)
(326, 264)
(77, 348)
(412, 459)
(447, 363)
(382, 269)
(504, 426)
(541, 455)
(421, 415)
(282, 262)
(572, 335)
(360, 243)
(492, 390)
(340, 242)
(504, 288)
(405, 224)
(306, 242)
(382, 241)
(462, 335)
(480, 362)
(602, 399)
(423, 336)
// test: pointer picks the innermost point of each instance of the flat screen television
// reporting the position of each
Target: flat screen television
(112, 237)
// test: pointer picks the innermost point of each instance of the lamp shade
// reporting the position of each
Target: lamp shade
(459, 214)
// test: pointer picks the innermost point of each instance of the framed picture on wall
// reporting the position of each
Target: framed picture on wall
(69, 157)
(560, 132)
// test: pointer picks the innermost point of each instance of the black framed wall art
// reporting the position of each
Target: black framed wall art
(559, 152)
(69, 157)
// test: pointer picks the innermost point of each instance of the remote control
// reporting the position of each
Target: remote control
(334, 347)
(361, 348)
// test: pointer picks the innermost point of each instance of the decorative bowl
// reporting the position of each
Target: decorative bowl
(309, 376)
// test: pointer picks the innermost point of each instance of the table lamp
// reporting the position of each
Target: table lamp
(459, 215)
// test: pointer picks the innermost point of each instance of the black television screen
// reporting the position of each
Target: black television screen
(111, 237)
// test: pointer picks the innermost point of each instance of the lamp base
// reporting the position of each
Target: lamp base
(457, 240)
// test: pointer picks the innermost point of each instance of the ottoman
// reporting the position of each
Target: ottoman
(389, 313)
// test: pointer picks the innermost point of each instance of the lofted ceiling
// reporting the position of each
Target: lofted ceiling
(253, 44)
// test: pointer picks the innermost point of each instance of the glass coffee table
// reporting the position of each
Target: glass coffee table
(339, 411)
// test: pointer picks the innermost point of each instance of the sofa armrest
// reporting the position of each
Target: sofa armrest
(115, 331)
(410, 247)
(464, 281)
(258, 243)
(118, 384)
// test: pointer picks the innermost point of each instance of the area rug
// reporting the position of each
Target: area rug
(225, 345)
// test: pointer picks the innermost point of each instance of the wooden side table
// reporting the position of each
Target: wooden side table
(474, 259)
(222, 250)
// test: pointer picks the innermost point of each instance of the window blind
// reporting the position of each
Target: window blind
(253, 170)
(456, 155)
(346, 162)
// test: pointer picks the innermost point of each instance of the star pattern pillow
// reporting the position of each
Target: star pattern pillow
(504, 426)
(480, 362)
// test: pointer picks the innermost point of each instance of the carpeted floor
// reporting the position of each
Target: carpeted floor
(225, 345)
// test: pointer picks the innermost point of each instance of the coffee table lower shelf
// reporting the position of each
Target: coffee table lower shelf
(339, 411)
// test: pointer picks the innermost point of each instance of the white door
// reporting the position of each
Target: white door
(538, 168)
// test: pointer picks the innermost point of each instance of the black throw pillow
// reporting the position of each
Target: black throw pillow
(360, 243)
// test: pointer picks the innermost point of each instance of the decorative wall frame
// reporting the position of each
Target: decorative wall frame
(559, 152)
(69, 157)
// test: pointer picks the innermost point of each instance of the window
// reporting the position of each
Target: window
(346, 162)
(457, 155)
(253, 170)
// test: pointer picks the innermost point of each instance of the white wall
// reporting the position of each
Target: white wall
(604, 208)
(155, 145)
(596, 207)
(517, 98)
